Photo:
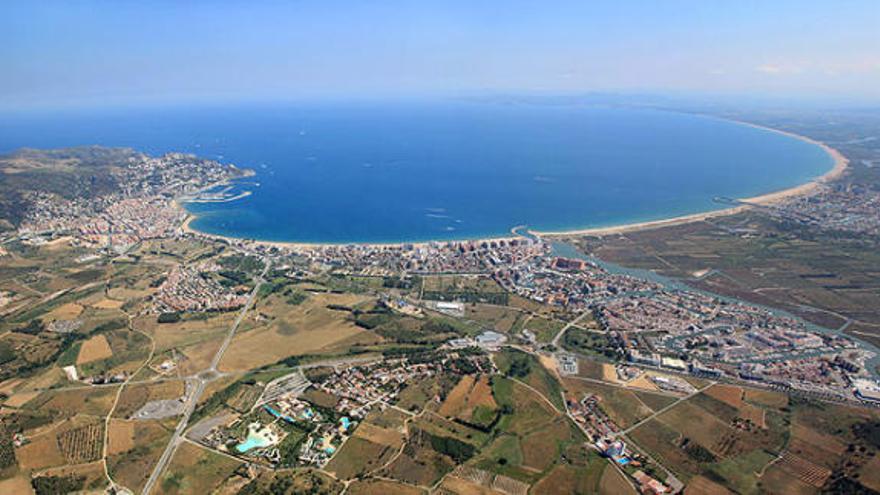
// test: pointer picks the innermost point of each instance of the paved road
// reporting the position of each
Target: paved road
(200, 382)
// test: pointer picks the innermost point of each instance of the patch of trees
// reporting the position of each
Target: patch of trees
(216, 401)
(438, 326)
(288, 449)
(271, 287)
(340, 307)
(50, 485)
(237, 262)
(398, 333)
(520, 365)
(295, 297)
(463, 366)
(233, 277)
(849, 486)
(699, 453)
(398, 283)
(29, 366)
(6, 352)
(580, 340)
(456, 449)
(172, 317)
(7, 451)
(285, 483)
(868, 431)
(33, 327)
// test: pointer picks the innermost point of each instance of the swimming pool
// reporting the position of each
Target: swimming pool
(253, 441)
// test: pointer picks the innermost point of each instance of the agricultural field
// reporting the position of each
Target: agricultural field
(284, 482)
(420, 462)
(114, 352)
(528, 369)
(502, 319)
(746, 441)
(81, 441)
(145, 441)
(67, 403)
(382, 487)
(471, 402)
(196, 470)
(359, 456)
(464, 288)
(94, 349)
(305, 328)
(529, 437)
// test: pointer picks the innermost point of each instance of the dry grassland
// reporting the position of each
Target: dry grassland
(767, 398)
(458, 486)
(382, 487)
(700, 485)
(121, 436)
(468, 394)
(92, 472)
(94, 349)
(642, 382)
(181, 334)
(696, 423)
(308, 328)
(18, 400)
(18, 485)
(108, 304)
(42, 452)
(614, 483)
(379, 435)
(733, 396)
(66, 311)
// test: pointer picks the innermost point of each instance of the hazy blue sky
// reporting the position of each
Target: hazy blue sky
(83, 51)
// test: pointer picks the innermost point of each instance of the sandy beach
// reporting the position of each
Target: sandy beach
(840, 165)
(300, 246)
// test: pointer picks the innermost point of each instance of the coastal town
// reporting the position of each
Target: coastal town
(848, 208)
(650, 321)
(423, 377)
(140, 206)
(440, 248)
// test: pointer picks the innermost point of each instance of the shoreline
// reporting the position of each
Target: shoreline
(841, 163)
(186, 227)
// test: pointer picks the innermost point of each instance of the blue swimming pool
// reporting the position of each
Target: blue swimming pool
(252, 442)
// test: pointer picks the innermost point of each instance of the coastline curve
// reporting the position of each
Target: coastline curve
(840, 165)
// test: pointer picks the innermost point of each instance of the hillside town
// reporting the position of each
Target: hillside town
(141, 205)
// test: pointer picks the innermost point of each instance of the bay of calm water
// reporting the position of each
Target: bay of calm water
(415, 171)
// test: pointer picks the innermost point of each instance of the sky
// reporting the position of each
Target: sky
(90, 52)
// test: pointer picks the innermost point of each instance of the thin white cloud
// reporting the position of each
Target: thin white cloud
(783, 69)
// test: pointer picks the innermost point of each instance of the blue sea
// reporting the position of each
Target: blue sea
(420, 170)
